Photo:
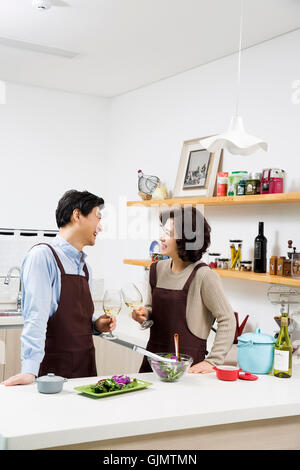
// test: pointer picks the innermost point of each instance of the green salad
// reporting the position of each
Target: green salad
(170, 372)
(117, 382)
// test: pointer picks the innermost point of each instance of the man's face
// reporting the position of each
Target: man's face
(91, 226)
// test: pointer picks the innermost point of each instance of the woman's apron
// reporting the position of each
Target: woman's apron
(69, 347)
(169, 317)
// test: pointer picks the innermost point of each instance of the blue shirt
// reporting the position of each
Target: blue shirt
(41, 283)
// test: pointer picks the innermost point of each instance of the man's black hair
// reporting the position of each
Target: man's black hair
(82, 200)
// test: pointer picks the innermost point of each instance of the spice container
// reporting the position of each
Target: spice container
(236, 253)
(223, 263)
(280, 263)
(233, 181)
(287, 267)
(246, 266)
(241, 188)
(296, 265)
(214, 263)
(253, 184)
(273, 265)
(222, 183)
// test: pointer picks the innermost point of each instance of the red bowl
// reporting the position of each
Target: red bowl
(227, 372)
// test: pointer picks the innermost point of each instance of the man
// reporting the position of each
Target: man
(57, 303)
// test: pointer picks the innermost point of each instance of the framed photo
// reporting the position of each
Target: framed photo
(197, 171)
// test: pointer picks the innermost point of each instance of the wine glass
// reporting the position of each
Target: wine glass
(134, 299)
(112, 303)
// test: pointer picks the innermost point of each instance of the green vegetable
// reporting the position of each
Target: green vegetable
(111, 384)
(170, 373)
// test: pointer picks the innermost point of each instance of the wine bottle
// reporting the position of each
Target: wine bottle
(260, 251)
(283, 352)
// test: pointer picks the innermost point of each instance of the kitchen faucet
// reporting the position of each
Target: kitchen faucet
(7, 281)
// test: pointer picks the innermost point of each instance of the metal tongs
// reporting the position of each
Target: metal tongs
(141, 350)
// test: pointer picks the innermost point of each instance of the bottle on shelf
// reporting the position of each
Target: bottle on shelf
(260, 251)
(283, 352)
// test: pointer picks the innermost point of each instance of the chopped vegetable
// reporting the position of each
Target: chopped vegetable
(169, 372)
(117, 382)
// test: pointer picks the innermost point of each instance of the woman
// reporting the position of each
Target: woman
(185, 296)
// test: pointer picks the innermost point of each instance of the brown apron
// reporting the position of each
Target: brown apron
(69, 346)
(169, 317)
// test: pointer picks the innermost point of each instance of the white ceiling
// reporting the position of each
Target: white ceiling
(127, 44)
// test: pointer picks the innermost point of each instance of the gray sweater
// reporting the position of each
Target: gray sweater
(206, 301)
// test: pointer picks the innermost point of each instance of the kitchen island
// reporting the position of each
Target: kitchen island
(199, 412)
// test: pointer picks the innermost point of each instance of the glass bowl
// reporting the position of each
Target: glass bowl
(170, 372)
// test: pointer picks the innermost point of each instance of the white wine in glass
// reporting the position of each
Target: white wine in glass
(134, 300)
(112, 303)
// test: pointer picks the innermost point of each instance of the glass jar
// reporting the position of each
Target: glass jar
(224, 263)
(246, 266)
(253, 184)
(233, 181)
(241, 188)
(214, 260)
(235, 253)
(296, 265)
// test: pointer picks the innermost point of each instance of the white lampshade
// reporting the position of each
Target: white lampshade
(235, 140)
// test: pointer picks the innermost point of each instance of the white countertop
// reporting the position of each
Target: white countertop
(10, 321)
(30, 420)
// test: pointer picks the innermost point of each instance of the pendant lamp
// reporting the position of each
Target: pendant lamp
(235, 139)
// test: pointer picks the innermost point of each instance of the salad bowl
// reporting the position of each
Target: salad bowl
(168, 371)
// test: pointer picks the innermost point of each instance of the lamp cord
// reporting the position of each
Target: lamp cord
(239, 59)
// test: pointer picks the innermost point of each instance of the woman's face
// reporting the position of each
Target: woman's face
(168, 240)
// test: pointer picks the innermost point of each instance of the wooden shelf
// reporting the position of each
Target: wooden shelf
(279, 198)
(230, 273)
(256, 277)
(138, 262)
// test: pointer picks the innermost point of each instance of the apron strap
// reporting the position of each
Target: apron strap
(152, 275)
(191, 277)
(86, 271)
(59, 263)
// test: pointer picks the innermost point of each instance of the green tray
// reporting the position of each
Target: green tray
(87, 389)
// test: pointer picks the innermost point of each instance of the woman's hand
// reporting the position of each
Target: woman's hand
(140, 315)
(105, 323)
(203, 367)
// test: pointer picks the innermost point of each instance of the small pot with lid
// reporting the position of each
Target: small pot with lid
(50, 383)
(256, 352)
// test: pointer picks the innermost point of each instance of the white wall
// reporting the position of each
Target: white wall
(51, 141)
(148, 126)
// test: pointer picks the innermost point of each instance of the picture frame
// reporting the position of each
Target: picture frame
(197, 170)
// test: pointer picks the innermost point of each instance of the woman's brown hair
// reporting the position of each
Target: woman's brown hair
(191, 231)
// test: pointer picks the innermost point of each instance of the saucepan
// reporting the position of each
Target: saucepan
(227, 372)
(231, 373)
(50, 383)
